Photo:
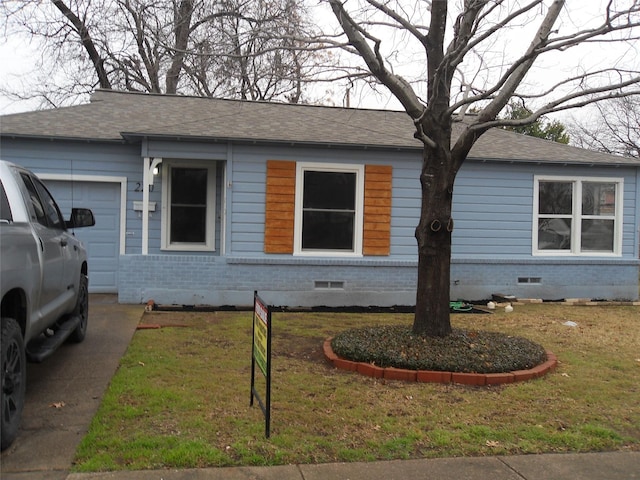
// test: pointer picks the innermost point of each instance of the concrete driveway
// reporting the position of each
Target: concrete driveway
(64, 393)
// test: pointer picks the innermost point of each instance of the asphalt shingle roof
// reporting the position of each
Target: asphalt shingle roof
(115, 116)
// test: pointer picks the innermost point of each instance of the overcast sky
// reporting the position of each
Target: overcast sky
(17, 60)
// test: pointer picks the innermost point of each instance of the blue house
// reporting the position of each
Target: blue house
(202, 201)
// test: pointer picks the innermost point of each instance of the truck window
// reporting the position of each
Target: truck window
(5, 209)
(46, 210)
(51, 210)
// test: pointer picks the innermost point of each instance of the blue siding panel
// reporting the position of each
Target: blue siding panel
(85, 159)
(184, 150)
(492, 238)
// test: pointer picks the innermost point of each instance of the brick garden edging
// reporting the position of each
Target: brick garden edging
(391, 373)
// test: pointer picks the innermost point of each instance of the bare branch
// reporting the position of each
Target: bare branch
(517, 75)
(615, 130)
(571, 101)
(400, 20)
(87, 42)
(372, 57)
(462, 45)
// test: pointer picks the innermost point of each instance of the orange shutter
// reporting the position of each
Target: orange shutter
(377, 210)
(279, 206)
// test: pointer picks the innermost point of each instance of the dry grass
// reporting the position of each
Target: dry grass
(181, 396)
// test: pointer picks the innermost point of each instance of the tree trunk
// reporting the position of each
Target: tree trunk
(181, 31)
(434, 244)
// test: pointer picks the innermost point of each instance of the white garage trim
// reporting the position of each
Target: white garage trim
(99, 179)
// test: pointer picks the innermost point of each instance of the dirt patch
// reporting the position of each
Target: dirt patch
(298, 347)
(160, 319)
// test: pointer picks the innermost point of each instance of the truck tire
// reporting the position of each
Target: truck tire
(81, 310)
(14, 380)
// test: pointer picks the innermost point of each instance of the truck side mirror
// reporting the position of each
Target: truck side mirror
(81, 217)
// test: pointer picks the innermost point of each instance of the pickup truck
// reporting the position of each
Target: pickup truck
(44, 280)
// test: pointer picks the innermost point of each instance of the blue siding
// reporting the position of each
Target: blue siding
(86, 159)
(493, 207)
(492, 210)
(492, 238)
(184, 150)
(247, 209)
(634, 218)
(249, 185)
(405, 206)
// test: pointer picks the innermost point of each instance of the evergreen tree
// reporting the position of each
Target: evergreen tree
(541, 128)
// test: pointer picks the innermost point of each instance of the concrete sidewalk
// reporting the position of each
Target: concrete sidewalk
(589, 466)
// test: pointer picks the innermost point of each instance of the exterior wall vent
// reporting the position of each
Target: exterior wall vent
(328, 285)
(529, 280)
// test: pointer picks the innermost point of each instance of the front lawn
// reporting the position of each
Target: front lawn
(181, 395)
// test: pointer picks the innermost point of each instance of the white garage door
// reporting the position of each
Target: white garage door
(102, 240)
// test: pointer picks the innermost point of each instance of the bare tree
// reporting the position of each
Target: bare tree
(455, 46)
(614, 128)
(226, 48)
(263, 45)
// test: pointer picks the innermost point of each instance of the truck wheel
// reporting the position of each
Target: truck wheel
(14, 379)
(81, 310)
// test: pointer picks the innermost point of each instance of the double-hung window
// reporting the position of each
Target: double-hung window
(189, 206)
(580, 216)
(328, 209)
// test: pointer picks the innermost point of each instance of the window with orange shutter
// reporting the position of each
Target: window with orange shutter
(327, 209)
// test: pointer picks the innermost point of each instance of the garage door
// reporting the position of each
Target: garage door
(102, 240)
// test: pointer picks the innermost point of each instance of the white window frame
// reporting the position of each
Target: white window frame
(210, 236)
(358, 226)
(577, 216)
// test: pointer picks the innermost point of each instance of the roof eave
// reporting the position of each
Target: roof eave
(58, 138)
(584, 163)
(135, 136)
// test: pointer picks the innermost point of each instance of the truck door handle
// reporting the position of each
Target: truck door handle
(63, 243)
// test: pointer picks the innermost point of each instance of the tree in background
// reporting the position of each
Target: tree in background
(440, 58)
(615, 128)
(541, 128)
(249, 49)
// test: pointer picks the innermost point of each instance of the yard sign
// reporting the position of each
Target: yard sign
(261, 356)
